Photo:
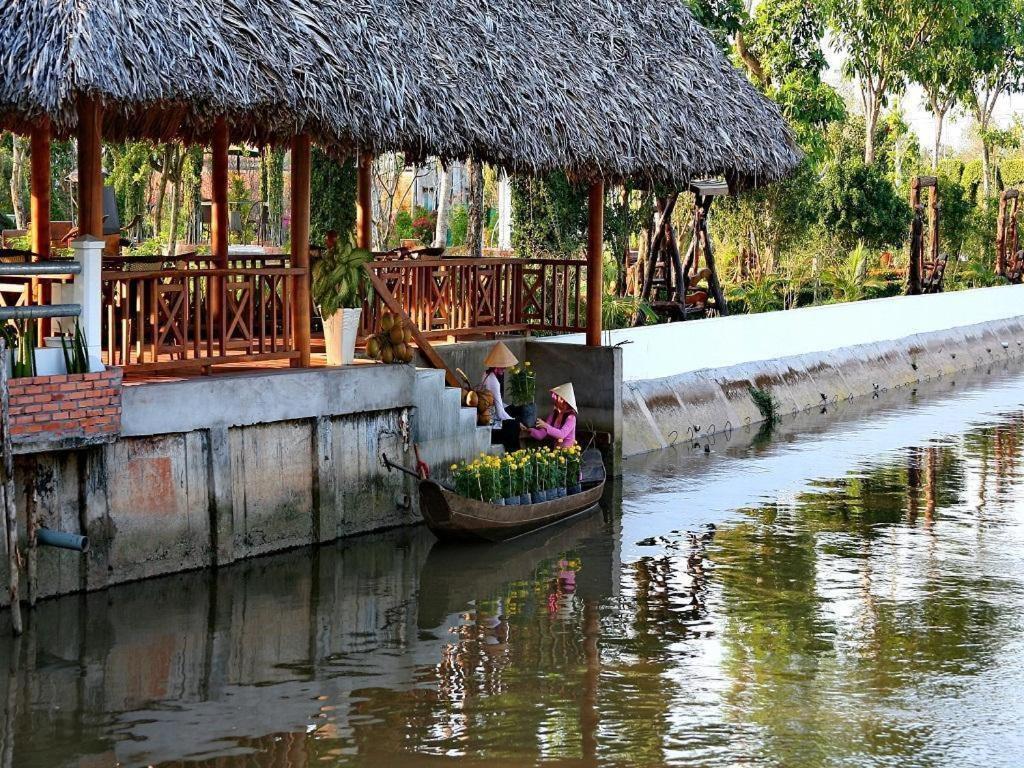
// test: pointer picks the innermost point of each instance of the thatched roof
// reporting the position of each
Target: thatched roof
(614, 88)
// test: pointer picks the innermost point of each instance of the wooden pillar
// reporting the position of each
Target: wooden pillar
(300, 245)
(364, 203)
(40, 211)
(219, 195)
(595, 262)
(90, 167)
(39, 232)
(219, 143)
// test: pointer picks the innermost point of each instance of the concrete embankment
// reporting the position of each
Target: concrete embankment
(212, 470)
(690, 379)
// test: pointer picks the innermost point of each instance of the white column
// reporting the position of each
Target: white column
(88, 293)
(504, 213)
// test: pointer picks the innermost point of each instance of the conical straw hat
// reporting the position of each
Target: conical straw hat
(500, 357)
(566, 393)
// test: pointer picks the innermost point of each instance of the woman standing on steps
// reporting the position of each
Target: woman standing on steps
(505, 428)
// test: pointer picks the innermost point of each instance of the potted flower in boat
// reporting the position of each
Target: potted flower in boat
(573, 470)
(522, 394)
(339, 287)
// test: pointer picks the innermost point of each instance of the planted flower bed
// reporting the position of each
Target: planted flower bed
(523, 477)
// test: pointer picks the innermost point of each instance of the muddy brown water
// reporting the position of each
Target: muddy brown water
(847, 591)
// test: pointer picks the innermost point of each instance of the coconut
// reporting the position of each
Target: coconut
(373, 347)
(401, 351)
(387, 355)
(408, 336)
(397, 334)
(387, 322)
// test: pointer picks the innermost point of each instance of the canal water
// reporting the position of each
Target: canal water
(847, 590)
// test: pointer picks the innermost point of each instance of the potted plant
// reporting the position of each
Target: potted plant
(522, 394)
(339, 287)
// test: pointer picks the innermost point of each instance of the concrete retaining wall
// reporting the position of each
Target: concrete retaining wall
(661, 412)
(660, 351)
(224, 468)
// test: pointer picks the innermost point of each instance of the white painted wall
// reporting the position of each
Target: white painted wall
(659, 351)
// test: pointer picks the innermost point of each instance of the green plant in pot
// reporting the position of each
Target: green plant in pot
(522, 394)
(339, 286)
(20, 339)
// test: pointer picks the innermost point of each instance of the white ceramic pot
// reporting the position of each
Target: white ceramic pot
(340, 331)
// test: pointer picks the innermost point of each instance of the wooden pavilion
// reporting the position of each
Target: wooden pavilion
(531, 87)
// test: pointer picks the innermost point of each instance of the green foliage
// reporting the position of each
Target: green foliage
(332, 195)
(766, 404)
(275, 190)
(403, 229)
(955, 218)
(1011, 172)
(76, 351)
(458, 225)
(130, 171)
(339, 280)
(859, 204)
(849, 280)
(550, 215)
(522, 385)
(762, 293)
(20, 337)
(623, 311)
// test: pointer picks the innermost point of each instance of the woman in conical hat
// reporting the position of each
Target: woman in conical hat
(560, 427)
(497, 361)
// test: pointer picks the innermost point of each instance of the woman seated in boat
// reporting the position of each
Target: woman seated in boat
(505, 429)
(559, 430)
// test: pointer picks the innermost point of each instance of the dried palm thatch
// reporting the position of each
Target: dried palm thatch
(599, 88)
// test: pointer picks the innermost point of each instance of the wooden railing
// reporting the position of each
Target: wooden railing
(457, 297)
(198, 317)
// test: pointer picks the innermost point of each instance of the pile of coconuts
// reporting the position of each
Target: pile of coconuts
(394, 342)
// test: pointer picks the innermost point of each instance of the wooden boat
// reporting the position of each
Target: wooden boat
(455, 518)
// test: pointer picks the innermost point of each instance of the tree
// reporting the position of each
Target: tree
(880, 39)
(475, 205)
(860, 205)
(444, 204)
(944, 67)
(332, 196)
(998, 62)
(19, 156)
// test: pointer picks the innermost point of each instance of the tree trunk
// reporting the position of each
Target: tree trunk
(444, 193)
(475, 228)
(986, 168)
(177, 165)
(19, 151)
(940, 119)
(161, 192)
(871, 125)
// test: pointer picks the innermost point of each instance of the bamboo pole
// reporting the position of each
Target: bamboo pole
(10, 514)
(595, 262)
(301, 308)
(364, 203)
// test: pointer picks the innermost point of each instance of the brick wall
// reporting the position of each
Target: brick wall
(66, 410)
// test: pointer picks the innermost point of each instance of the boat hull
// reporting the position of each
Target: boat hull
(455, 518)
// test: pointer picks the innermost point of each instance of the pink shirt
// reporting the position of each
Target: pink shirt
(561, 428)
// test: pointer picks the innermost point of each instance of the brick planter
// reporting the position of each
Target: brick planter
(51, 413)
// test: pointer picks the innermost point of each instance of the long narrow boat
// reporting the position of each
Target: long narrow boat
(455, 518)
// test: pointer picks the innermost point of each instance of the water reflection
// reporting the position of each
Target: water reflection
(848, 607)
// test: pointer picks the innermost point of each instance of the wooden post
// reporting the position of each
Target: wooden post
(300, 245)
(219, 194)
(40, 210)
(90, 167)
(39, 231)
(916, 240)
(219, 143)
(364, 203)
(7, 488)
(595, 262)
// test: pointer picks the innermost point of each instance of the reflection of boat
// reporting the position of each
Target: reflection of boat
(454, 575)
(454, 517)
